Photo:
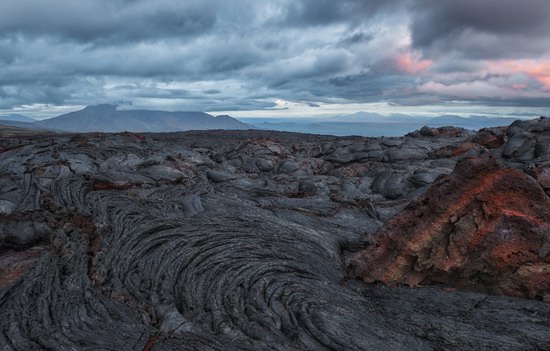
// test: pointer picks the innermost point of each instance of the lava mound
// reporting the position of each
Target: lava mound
(483, 227)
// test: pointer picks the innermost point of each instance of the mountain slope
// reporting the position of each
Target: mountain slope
(107, 118)
(18, 124)
(16, 117)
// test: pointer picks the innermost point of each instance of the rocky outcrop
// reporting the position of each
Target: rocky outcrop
(483, 227)
(524, 145)
(448, 132)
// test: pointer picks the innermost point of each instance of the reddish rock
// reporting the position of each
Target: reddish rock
(542, 174)
(491, 138)
(464, 148)
(483, 228)
(445, 132)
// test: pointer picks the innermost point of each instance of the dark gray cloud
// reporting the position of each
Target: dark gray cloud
(103, 21)
(219, 55)
(323, 12)
(481, 29)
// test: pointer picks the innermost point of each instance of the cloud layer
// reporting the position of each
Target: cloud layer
(240, 55)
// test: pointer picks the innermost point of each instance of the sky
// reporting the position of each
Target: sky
(276, 58)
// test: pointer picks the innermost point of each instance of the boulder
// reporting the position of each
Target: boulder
(484, 228)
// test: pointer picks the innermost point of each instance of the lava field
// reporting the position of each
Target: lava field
(259, 240)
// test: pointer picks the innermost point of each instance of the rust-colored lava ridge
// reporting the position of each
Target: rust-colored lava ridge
(483, 227)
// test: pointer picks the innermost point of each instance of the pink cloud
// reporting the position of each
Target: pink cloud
(536, 69)
(480, 89)
(519, 86)
(465, 90)
(410, 63)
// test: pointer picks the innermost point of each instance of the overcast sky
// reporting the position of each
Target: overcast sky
(276, 57)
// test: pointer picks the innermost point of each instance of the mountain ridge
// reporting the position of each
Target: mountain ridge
(108, 118)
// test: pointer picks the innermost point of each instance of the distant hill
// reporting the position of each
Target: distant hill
(16, 117)
(107, 118)
(375, 125)
(360, 117)
(19, 124)
(472, 122)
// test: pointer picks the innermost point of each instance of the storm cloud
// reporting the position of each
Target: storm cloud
(215, 55)
(486, 29)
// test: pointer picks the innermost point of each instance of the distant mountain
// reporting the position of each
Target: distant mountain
(375, 125)
(107, 118)
(368, 117)
(16, 117)
(368, 129)
(474, 121)
(359, 117)
(471, 122)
